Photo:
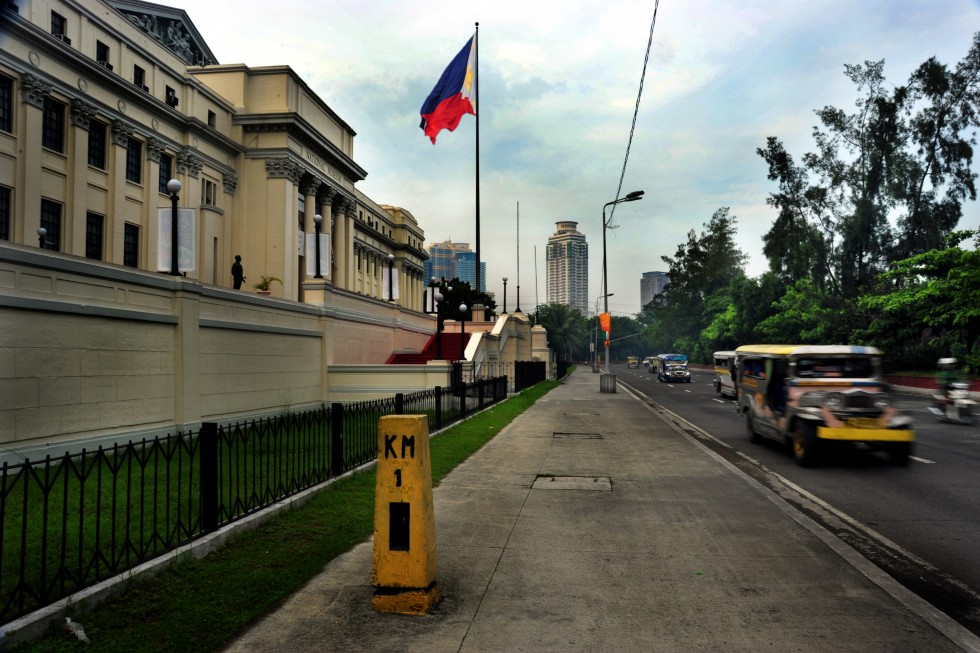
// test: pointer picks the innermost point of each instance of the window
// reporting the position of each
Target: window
(134, 161)
(212, 119)
(93, 235)
(58, 27)
(51, 221)
(97, 134)
(131, 243)
(209, 192)
(53, 125)
(102, 54)
(166, 173)
(4, 213)
(139, 78)
(171, 97)
(6, 104)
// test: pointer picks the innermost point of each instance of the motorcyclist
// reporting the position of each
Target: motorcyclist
(948, 375)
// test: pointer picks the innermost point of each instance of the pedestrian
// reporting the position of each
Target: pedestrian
(237, 272)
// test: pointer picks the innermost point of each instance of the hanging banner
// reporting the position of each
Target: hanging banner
(310, 257)
(605, 322)
(186, 240)
(384, 284)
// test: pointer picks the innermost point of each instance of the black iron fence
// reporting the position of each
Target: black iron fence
(72, 521)
(522, 374)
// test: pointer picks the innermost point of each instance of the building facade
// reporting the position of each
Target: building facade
(651, 285)
(567, 262)
(103, 102)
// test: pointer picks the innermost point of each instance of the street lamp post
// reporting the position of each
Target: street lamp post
(391, 277)
(173, 187)
(437, 301)
(505, 294)
(42, 234)
(462, 332)
(630, 197)
(317, 221)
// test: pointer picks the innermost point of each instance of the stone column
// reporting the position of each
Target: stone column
(345, 216)
(116, 159)
(28, 192)
(310, 208)
(75, 230)
(154, 150)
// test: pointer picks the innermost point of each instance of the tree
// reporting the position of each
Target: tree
(939, 291)
(700, 273)
(902, 156)
(567, 330)
(463, 293)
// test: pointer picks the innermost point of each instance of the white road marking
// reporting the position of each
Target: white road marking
(922, 460)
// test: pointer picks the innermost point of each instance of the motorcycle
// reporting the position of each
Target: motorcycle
(955, 406)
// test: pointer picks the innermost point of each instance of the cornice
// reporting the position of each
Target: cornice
(300, 130)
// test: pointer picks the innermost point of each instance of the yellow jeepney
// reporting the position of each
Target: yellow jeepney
(810, 396)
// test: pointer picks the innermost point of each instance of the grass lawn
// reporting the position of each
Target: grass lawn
(199, 605)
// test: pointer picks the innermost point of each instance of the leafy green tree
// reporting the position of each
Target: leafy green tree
(701, 273)
(803, 316)
(938, 290)
(904, 153)
(568, 331)
(939, 178)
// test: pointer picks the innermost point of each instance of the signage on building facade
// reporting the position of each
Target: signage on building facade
(186, 240)
(324, 255)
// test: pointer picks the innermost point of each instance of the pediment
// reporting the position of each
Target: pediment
(170, 26)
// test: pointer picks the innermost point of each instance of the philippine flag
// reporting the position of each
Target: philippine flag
(453, 95)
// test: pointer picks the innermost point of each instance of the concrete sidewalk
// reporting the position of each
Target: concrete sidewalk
(590, 524)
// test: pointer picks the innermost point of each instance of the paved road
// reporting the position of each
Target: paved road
(926, 513)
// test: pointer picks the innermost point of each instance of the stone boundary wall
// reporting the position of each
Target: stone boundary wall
(91, 352)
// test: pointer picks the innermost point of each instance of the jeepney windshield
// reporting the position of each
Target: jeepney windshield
(815, 367)
(676, 358)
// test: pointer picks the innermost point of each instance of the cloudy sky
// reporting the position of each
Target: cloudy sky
(558, 88)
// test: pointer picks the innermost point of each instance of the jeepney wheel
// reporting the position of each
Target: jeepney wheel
(899, 452)
(750, 430)
(805, 444)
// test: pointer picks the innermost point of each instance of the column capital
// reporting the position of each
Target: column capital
(189, 162)
(230, 182)
(81, 113)
(33, 90)
(283, 168)
(122, 132)
(311, 186)
(154, 149)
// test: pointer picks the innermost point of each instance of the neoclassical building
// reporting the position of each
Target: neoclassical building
(103, 102)
(112, 328)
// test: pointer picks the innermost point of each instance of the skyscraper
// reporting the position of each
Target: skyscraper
(652, 284)
(448, 259)
(567, 261)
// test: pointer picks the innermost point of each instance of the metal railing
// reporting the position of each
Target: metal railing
(72, 521)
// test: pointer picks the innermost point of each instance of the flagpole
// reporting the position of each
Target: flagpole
(476, 90)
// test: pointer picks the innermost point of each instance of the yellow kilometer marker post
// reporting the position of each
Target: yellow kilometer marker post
(403, 572)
